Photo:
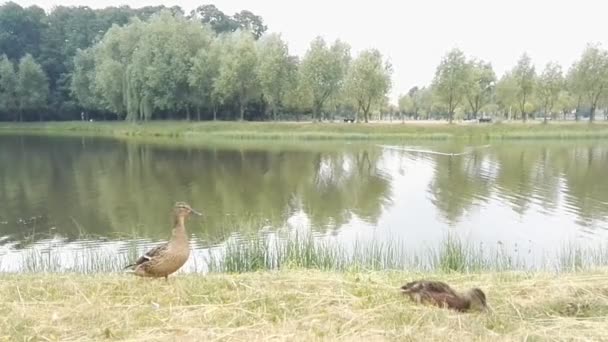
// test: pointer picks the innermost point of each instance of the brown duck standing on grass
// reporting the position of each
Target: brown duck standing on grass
(441, 294)
(169, 257)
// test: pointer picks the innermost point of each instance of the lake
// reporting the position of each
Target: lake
(67, 199)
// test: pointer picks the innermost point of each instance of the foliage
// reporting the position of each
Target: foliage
(480, 85)
(368, 80)
(450, 82)
(32, 87)
(524, 76)
(8, 89)
(237, 71)
(323, 70)
(275, 71)
(590, 76)
(550, 84)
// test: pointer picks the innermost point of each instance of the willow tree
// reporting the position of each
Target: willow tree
(113, 55)
(237, 74)
(158, 73)
(368, 80)
(506, 94)
(450, 82)
(524, 75)
(275, 70)
(8, 82)
(203, 76)
(83, 80)
(32, 87)
(323, 70)
(591, 76)
(480, 85)
(550, 83)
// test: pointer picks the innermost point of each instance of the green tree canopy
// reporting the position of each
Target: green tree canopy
(323, 71)
(524, 75)
(8, 87)
(450, 82)
(480, 85)
(550, 84)
(368, 80)
(590, 76)
(32, 87)
(275, 70)
(237, 74)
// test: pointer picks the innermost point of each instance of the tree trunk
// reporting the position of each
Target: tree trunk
(592, 113)
(214, 112)
(188, 113)
(242, 111)
(198, 113)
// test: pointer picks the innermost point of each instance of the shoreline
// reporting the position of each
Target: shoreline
(299, 305)
(308, 131)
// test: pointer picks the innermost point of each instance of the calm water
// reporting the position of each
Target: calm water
(68, 195)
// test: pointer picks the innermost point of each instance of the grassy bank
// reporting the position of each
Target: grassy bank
(298, 305)
(316, 131)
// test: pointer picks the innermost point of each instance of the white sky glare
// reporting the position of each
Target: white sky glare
(415, 34)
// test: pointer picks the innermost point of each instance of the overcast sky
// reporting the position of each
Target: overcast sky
(415, 34)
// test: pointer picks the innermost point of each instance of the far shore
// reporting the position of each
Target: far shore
(384, 130)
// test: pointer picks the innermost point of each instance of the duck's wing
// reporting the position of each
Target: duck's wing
(151, 254)
(427, 286)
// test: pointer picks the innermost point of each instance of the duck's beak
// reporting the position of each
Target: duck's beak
(196, 212)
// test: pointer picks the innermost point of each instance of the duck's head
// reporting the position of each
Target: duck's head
(183, 209)
(478, 299)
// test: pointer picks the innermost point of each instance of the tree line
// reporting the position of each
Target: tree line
(157, 63)
(466, 88)
(161, 63)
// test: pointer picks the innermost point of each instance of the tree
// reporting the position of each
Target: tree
(32, 87)
(574, 84)
(275, 70)
(525, 79)
(83, 80)
(368, 80)
(158, 73)
(565, 102)
(550, 83)
(591, 76)
(323, 70)
(506, 94)
(202, 79)
(480, 85)
(216, 19)
(21, 30)
(8, 81)
(237, 74)
(247, 21)
(450, 82)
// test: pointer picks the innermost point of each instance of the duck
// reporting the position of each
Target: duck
(167, 258)
(441, 294)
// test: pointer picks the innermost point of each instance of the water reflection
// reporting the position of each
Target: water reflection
(80, 189)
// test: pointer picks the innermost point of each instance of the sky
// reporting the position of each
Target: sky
(414, 34)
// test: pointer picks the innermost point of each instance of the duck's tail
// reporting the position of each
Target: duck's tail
(129, 266)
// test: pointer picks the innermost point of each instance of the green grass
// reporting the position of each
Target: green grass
(202, 131)
(299, 305)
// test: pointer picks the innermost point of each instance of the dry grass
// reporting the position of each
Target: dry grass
(298, 306)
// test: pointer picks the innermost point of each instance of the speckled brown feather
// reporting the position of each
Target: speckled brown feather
(167, 258)
(442, 295)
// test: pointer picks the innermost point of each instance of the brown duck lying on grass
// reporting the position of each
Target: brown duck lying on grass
(165, 259)
(441, 294)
